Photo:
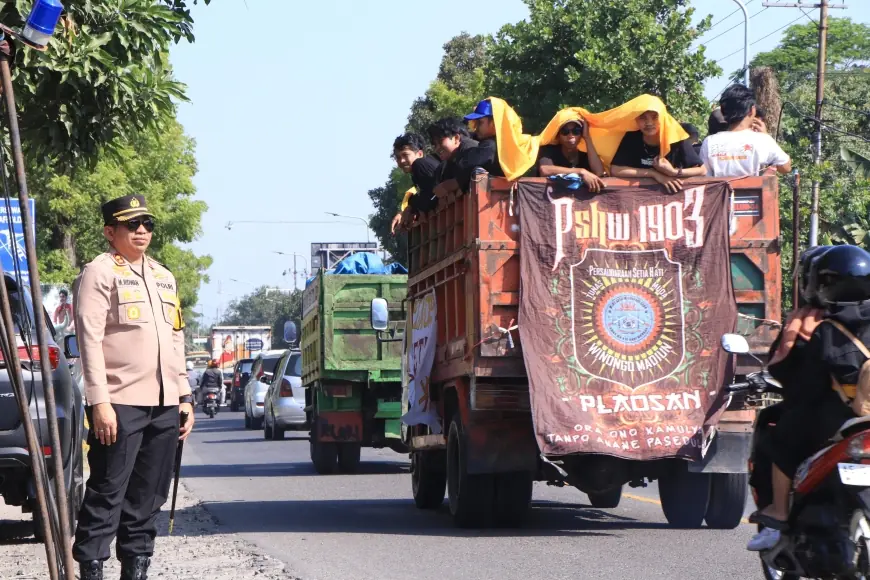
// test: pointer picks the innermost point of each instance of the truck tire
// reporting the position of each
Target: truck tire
(606, 499)
(684, 496)
(513, 498)
(471, 496)
(324, 456)
(727, 500)
(428, 479)
(349, 457)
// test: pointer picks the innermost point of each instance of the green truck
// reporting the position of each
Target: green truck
(352, 381)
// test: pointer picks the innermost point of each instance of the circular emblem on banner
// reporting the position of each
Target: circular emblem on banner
(628, 317)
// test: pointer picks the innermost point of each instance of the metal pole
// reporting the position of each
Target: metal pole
(745, 42)
(795, 235)
(295, 274)
(817, 135)
(39, 315)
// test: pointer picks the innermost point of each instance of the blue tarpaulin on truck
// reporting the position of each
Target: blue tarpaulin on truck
(364, 263)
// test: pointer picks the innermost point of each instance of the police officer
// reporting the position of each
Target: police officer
(129, 329)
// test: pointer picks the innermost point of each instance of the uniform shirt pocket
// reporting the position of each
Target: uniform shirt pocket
(171, 313)
(133, 305)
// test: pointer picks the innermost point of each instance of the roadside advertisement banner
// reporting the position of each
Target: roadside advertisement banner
(12, 239)
(624, 300)
(421, 356)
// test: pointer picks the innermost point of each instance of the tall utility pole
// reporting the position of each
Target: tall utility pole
(823, 7)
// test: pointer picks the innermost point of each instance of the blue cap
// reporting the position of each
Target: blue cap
(44, 15)
(483, 109)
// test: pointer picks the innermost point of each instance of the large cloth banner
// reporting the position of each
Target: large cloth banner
(421, 356)
(625, 298)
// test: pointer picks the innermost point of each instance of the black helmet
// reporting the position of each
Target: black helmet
(807, 284)
(842, 274)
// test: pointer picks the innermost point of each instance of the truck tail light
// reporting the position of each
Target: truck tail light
(32, 355)
(286, 389)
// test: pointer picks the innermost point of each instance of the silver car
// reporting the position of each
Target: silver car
(257, 385)
(285, 399)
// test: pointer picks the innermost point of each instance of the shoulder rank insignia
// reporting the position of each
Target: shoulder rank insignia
(119, 259)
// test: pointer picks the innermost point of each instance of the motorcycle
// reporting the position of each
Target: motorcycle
(211, 402)
(828, 531)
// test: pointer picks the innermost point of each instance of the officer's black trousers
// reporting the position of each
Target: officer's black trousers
(128, 484)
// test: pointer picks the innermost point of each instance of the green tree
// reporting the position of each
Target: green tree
(105, 74)
(599, 54)
(266, 306)
(159, 164)
(845, 189)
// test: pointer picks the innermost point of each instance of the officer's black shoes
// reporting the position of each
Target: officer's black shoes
(135, 568)
(91, 570)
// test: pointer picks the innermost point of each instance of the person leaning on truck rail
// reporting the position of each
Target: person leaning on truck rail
(563, 156)
(640, 152)
(410, 155)
(482, 124)
(744, 149)
(459, 155)
(132, 347)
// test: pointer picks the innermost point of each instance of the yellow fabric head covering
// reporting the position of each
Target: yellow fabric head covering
(518, 152)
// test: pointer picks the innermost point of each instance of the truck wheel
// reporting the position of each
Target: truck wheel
(513, 497)
(684, 496)
(428, 479)
(323, 456)
(349, 457)
(606, 499)
(471, 496)
(727, 500)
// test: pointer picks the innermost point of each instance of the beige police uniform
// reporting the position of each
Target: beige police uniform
(129, 333)
(129, 329)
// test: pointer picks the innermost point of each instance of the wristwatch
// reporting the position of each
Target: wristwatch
(185, 399)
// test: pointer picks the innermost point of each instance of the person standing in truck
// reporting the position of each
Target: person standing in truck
(459, 155)
(659, 149)
(564, 157)
(132, 347)
(744, 149)
(482, 123)
(410, 155)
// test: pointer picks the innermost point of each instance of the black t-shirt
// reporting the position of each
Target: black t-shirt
(633, 152)
(553, 155)
(486, 156)
(424, 174)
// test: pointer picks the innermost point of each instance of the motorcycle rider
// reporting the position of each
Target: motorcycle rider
(212, 378)
(812, 372)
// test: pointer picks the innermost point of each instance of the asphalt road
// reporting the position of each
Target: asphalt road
(366, 527)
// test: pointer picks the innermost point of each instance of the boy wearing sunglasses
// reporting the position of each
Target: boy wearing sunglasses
(130, 336)
(564, 157)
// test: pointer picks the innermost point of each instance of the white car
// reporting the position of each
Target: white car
(258, 384)
(285, 399)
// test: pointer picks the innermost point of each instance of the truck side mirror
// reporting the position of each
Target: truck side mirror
(735, 344)
(291, 334)
(380, 314)
(71, 347)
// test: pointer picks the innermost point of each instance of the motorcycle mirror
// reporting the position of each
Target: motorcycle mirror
(735, 344)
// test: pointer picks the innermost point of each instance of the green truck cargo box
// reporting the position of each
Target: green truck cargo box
(353, 381)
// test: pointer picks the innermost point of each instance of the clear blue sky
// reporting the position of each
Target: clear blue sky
(300, 122)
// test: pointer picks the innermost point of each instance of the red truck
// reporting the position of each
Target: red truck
(487, 452)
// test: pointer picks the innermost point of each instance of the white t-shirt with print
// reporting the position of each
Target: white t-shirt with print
(740, 153)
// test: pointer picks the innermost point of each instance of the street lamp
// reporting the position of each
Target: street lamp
(352, 217)
(745, 41)
(295, 272)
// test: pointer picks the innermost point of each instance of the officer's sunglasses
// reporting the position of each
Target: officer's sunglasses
(575, 130)
(134, 224)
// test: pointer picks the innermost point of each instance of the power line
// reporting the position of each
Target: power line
(739, 50)
(733, 27)
(836, 106)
